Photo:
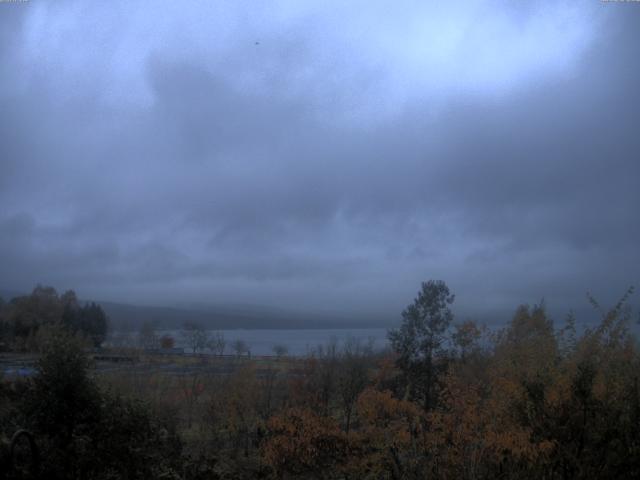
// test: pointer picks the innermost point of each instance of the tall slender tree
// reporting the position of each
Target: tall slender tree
(420, 338)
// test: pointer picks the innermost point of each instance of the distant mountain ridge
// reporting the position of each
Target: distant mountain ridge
(130, 317)
(7, 295)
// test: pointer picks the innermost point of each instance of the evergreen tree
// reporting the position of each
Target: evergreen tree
(419, 340)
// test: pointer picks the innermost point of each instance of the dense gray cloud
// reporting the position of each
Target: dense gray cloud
(327, 157)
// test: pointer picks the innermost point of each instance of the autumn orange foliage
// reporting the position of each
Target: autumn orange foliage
(532, 402)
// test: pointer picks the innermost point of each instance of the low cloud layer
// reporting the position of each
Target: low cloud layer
(328, 157)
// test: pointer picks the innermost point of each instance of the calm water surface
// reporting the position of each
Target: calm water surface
(298, 342)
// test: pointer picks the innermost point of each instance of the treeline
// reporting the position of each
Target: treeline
(25, 321)
(80, 430)
(448, 401)
(455, 401)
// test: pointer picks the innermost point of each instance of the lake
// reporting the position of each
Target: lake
(298, 342)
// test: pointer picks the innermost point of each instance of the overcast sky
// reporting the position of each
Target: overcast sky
(321, 155)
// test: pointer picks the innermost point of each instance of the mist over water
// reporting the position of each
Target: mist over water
(298, 342)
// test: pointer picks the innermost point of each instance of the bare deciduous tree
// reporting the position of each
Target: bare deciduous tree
(217, 343)
(240, 347)
(195, 336)
(280, 350)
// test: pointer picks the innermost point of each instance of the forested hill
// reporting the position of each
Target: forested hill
(129, 317)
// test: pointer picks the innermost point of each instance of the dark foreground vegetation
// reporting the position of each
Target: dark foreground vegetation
(448, 400)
